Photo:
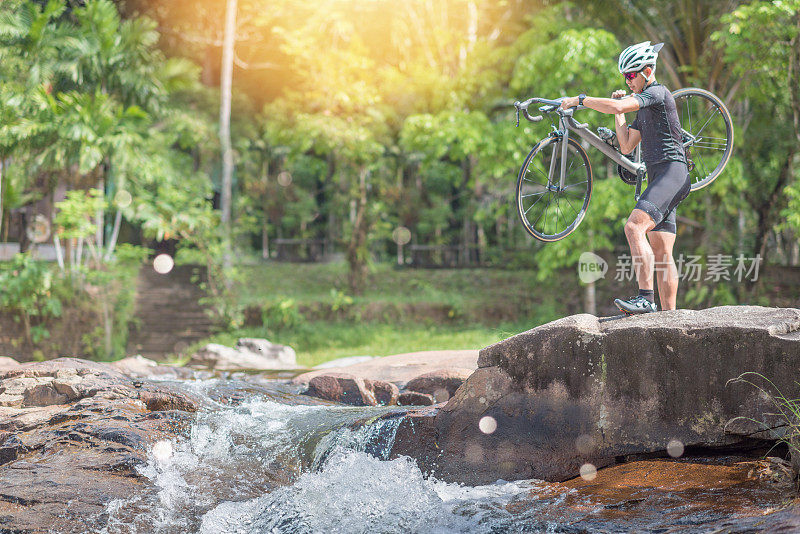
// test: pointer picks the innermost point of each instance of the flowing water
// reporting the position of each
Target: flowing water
(264, 459)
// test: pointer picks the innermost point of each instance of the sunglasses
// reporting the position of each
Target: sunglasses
(630, 75)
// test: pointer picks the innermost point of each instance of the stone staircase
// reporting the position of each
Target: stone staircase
(168, 317)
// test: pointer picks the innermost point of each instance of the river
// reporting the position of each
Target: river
(262, 458)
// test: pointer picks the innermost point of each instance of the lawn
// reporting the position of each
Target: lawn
(400, 310)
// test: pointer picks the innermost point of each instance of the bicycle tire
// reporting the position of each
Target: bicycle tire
(705, 152)
(540, 232)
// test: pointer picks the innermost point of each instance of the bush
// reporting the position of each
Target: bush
(28, 294)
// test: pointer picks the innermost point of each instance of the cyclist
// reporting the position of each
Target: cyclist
(658, 128)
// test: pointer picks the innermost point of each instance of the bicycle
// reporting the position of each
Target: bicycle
(560, 181)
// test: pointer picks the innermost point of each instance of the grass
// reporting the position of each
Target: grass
(401, 310)
(318, 342)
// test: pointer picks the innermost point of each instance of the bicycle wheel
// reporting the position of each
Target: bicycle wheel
(549, 212)
(707, 134)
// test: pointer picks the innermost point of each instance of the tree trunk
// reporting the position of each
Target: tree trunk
(100, 216)
(226, 82)
(357, 247)
(2, 173)
(265, 208)
(765, 211)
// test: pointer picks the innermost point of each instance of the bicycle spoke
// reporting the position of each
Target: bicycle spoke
(532, 205)
(715, 111)
(689, 110)
(532, 194)
(709, 147)
(571, 206)
(537, 170)
(573, 185)
(705, 171)
(540, 215)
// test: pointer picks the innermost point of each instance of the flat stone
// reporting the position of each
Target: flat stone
(249, 353)
(400, 368)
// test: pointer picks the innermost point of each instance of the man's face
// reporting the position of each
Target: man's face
(637, 84)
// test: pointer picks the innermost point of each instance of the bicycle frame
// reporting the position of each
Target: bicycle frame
(568, 124)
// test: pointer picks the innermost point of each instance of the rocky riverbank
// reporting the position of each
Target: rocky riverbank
(72, 433)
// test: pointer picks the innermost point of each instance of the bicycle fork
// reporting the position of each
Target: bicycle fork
(564, 135)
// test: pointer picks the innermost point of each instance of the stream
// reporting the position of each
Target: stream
(262, 458)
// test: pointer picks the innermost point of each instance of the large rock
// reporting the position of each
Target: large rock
(400, 368)
(249, 353)
(349, 389)
(72, 433)
(576, 391)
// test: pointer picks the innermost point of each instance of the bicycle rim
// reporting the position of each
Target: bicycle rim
(708, 130)
(548, 212)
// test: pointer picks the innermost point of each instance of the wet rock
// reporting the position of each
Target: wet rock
(249, 353)
(72, 433)
(439, 382)
(349, 389)
(575, 391)
(415, 398)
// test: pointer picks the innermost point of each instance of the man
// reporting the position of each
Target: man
(658, 128)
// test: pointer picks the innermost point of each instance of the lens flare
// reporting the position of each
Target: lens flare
(675, 448)
(123, 199)
(588, 472)
(487, 424)
(163, 263)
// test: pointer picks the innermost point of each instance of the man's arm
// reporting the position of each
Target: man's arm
(628, 138)
(604, 105)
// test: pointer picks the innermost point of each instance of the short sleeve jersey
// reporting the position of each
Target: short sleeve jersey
(657, 120)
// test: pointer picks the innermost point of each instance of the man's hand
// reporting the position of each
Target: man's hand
(569, 102)
(619, 93)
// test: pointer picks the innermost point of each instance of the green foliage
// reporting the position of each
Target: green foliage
(29, 294)
(76, 214)
(281, 313)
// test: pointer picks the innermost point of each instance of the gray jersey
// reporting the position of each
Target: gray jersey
(657, 120)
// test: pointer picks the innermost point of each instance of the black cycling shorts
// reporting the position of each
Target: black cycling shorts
(667, 185)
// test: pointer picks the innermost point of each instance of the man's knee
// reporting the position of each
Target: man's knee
(639, 223)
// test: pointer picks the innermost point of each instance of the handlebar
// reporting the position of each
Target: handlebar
(548, 107)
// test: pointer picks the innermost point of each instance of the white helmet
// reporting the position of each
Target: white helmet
(638, 56)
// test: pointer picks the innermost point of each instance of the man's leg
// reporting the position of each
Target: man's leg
(667, 272)
(639, 223)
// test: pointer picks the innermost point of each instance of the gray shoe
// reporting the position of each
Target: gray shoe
(635, 305)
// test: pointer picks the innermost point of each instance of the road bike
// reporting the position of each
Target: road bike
(554, 185)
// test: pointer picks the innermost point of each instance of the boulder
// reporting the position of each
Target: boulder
(441, 384)
(415, 398)
(249, 353)
(72, 433)
(353, 390)
(577, 391)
